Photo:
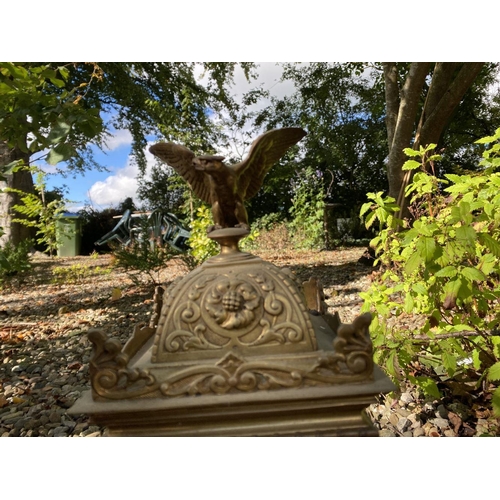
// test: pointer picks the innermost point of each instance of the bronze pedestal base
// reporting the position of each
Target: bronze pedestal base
(312, 411)
(236, 348)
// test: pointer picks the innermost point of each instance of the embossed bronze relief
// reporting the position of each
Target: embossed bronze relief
(250, 306)
(232, 329)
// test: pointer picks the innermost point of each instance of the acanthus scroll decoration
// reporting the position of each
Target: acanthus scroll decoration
(110, 377)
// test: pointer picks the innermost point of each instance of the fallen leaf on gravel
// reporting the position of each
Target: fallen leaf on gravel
(468, 430)
(481, 412)
(455, 420)
(116, 294)
(3, 402)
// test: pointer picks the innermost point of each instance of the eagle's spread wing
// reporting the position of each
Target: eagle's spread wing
(265, 151)
(181, 159)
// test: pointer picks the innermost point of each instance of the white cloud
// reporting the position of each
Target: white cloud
(119, 138)
(269, 76)
(122, 184)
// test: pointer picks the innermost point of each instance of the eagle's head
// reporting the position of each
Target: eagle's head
(209, 163)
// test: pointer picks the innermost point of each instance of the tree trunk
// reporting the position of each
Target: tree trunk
(402, 106)
(22, 179)
(445, 99)
(450, 82)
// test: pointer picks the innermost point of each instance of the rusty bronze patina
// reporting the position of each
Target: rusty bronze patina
(237, 346)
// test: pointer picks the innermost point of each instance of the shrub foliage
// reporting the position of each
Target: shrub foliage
(443, 273)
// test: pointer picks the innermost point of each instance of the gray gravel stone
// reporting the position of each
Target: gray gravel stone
(4, 410)
(61, 431)
(403, 412)
(23, 423)
(442, 412)
(394, 419)
(441, 423)
(11, 417)
(386, 433)
(44, 419)
(406, 398)
(54, 417)
(429, 407)
(418, 432)
(34, 369)
(8, 390)
(403, 424)
(384, 421)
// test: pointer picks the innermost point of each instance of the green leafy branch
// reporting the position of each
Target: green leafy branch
(40, 111)
(443, 272)
(41, 215)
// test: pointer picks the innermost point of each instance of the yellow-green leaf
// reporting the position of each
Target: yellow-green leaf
(413, 263)
(411, 165)
(447, 272)
(494, 372)
(426, 247)
(496, 402)
(473, 274)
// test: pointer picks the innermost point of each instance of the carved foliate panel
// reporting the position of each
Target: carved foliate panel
(112, 378)
(253, 308)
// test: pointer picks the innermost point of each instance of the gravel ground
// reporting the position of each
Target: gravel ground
(44, 350)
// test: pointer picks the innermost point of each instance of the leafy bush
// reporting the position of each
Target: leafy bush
(307, 211)
(202, 247)
(268, 222)
(14, 260)
(250, 241)
(144, 256)
(444, 274)
(40, 214)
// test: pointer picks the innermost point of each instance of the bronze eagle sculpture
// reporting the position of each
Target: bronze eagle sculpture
(227, 187)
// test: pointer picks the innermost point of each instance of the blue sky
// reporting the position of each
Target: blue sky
(105, 189)
(101, 189)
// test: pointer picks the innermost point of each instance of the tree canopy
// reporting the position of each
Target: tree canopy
(59, 109)
(359, 118)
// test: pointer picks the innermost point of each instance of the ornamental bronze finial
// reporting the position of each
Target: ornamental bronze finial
(227, 187)
(237, 347)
